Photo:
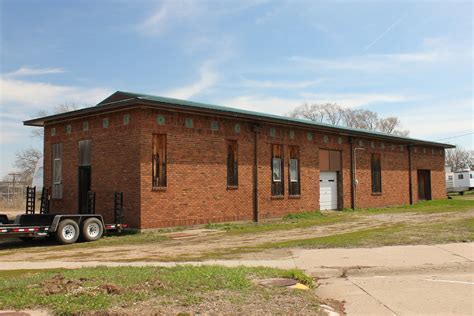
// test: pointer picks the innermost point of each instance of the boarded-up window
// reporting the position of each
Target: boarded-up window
(159, 160)
(329, 160)
(376, 174)
(294, 171)
(57, 152)
(232, 163)
(84, 152)
(277, 170)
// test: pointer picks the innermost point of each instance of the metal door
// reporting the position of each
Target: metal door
(328, 190)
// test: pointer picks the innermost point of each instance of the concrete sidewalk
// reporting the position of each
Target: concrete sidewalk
(313, 261)
(395, 280)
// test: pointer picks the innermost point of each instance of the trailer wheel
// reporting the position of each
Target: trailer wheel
(92, 229)
(67, 232)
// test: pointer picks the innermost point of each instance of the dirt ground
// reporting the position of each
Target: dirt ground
(192, 244)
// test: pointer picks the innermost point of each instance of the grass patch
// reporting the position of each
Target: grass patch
(125, 238)
(389, 235)
(427, 207)
(400, 234)
(290, 221)
(316, 218)
(102, 288)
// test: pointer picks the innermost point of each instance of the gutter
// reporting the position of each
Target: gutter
(256, 130)
(410, 181)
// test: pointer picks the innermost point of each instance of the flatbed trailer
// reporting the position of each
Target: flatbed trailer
(66, 228)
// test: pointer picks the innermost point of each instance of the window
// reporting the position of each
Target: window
(450, 177)
(460, 176)
(159, 160)
(160, 119)
(376, 174)
(84, 152)
(126, 119)
(105, 123)
(57, 152)
(470, 175)
(277, 170)
(232, 164)
(294, 171)
(188, 123)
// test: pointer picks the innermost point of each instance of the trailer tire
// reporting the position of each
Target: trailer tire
(92, 229)
(67, 232)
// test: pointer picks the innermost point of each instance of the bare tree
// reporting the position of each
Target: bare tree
(332, 113)
(367, 119)
(311, 112)
(401, 132)
(458, 159)
(61, 108)
(350, 119)
(388, 124)
(26, 162)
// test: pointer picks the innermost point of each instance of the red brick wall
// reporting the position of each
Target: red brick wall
(114, 164)
(197, 190)
(429, 159)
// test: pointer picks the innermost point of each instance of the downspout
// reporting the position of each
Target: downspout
(256, 130)
(353, 202)
(410, 181)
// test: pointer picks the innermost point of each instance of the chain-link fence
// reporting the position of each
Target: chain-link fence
(12, 195)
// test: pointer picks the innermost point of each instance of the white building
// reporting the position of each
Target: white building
(459, 181)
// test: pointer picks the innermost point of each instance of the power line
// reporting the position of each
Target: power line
(455, 136)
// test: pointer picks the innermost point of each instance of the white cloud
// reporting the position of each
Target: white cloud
(387, 30)
(270, 84)
(281, 106)
(262, 103)
(371, 62)
(21, 100)
(349, 100)
(173, 12)
(207, 78)
(169, 12)
(41, 95)
(434, 51)
(27, 71)
(11, 132)
(439, 120)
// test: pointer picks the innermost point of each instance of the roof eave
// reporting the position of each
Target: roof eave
(309, 125)
(41, 121)
(139, 101)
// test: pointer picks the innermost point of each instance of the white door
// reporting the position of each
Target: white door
(328, 190)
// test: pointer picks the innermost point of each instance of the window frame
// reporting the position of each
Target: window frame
(277, 184)
(56, 171)
(232, 163)
(159, 161)
(376, 173)
(294, 177)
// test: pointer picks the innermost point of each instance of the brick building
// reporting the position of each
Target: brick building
(183, 163)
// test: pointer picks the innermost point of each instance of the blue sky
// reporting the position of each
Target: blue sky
(409, 59)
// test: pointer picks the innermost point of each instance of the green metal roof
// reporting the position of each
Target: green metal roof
(129, 98)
